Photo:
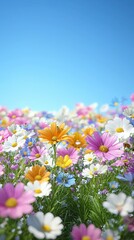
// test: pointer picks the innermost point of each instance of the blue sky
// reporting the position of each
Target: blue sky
(60, 52)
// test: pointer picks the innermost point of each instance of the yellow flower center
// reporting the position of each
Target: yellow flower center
(38, 177)
(46, 162)
(119, 130)
(37, 191)
(11, 202)
(30, 144)
(89, 159)
(103, 148)
(14, 131)
(37, 155)
(25, 153)
(132, 116)
(46, 228)
(54, 138)
(13, 116)
(109, 238)
(14, 144)
(86, 238)
(25, 137)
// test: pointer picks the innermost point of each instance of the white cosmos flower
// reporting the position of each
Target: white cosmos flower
(39, 189)
(45, 226)
(47, 160)
(94, 170)
(119, 127)
(13, 143)
(119, 203)
(14, 129)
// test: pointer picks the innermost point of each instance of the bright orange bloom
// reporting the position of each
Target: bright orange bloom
(77, 141)
(54, 133)
(101, 119)
(89, 131)
(38, 173)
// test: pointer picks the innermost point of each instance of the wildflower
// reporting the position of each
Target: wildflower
(77, 141)
(1, 170)
(119, 127)
(106, 147)
(38, 173)
(25, 152)
(47, 160)
(64, 162)
(65, 179)
(110, 235)
(4, 134)
(129, 221)
(88, 158)
(113, 184)
(39, 189)
(14, 201)
(94, 170)
(119, 203)
(30, 142)
(54, 133)
(71, 152)
(13, 143)
(45, 226)
(127, 177)
(86, 233)
(37, 152)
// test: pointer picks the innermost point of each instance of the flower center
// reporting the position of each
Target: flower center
(54, 138)
(77, 142)
(11, 202)
(89, 159)
(13, 116)
(14, 131)
(86, 238)
(14, 144)
(46, 228)
(37, 191)
(25, 153)
(38, 177)
(30, 144)
(37, 155)
(132, 116)
(109, 238)
(46, 162)
(103, 148)
(119, 130)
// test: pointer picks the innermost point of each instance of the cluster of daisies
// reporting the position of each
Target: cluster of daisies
(67, 174)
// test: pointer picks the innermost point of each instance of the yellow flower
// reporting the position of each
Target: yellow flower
(89, 131)
(54, 133)
(38, 173)
(77, 141)
(64, 162)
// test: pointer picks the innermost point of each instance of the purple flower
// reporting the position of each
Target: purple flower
(105, 146)
(83, 232)
(15, 201)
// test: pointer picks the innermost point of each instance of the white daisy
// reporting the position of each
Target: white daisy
(39, 189)
(88, 158)
(47, 160)
(119, 203)
(14, 129)
(45, 226)
(13, 143)
(119, 127)
(94, 170)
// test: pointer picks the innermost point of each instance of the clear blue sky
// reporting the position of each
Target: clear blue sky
(60, 52)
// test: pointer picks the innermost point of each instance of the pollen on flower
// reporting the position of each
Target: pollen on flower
(54, 138)
(11, 202)
(37, 191)
(119, 130)
(14, 144)
(103, 148)
(37, 155)
(37, 177)
(109, 237)
(86, 238)
(13, 116)
(30, 144)
(46, 228)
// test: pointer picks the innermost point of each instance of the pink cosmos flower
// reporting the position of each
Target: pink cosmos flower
(4, 134)
(37, 152)
(71, 152)
(106, 146)
(15, 201)
(83, 232)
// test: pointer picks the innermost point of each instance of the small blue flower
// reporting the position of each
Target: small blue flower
(25, 152)
(113, 184)
(30, 142)
(128, 177)
(65, 179)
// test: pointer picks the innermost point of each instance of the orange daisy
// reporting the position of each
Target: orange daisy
(89, 131)
(54, 133)
(39, 173)
(77, 141)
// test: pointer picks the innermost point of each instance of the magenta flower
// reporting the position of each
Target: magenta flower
(15, 201)
(71, 152)
(1, 170)
(37, 152)
(86, 233)
(106, 146)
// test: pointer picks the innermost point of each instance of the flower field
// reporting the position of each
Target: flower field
(67, 175)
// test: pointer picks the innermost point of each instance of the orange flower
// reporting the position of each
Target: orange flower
(89, 131)
(77, 141)
(101, 119)
(37, 173)
(54, 133)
